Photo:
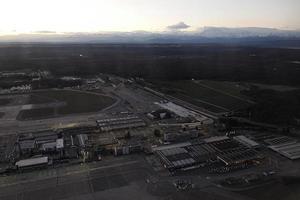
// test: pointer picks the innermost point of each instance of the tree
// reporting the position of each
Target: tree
(157, 133)
(128, 135)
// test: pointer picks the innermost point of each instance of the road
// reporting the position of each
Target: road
(113, 178)
(79, 182)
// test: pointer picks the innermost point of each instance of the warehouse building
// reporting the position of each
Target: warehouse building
(184, 156)
(180, 136)
(32, 163)
(27, 146)
(291, 151)
(220, 152)
(133, 145)
(246, 141)
(127, 122)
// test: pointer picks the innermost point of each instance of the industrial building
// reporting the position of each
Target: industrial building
(246, 141)
(280, 140)
(286, 146)
(229, 154)
(32, 163)
(118, 123)
(27, 146)
(52, 146)
(128, 146)
(159, 114)
(180, 136)
(184, 156)
(291, 151)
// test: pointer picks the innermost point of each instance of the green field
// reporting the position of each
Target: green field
(211, 95)
(76, 102)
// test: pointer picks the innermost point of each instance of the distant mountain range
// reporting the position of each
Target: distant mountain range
(251, 35)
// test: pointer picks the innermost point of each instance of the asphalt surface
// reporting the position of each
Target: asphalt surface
(86, 182)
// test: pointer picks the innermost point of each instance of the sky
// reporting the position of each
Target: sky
(25, 16)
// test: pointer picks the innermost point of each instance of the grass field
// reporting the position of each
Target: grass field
(39, 99)
(211, 95)
(76, 102)
(39, 113)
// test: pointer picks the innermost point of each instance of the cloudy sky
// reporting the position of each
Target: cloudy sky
(151, 15)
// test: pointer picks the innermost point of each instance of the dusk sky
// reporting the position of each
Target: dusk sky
(150, 15)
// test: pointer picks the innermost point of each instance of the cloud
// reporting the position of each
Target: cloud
(178, 26)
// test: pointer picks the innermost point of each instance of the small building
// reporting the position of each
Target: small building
(82, 139)
(60, 143)
(159, 114)
(27, 146)
(48, 147)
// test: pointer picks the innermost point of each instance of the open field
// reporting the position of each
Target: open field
(75, 102)
(226, 87)
(279, 88)
(39, 99)
(157, 61)
(38, 113)
(213, 96)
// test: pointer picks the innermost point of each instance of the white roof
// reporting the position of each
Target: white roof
(215, 139)
(59, 143)
(244, 139)
(178, 145)
(32, 162)
(292, 151)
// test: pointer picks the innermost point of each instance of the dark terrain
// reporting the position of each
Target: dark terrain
(158, 61)
(171, 62)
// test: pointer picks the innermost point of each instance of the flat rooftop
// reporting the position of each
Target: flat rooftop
(243, 139)
(291, 151)
(32, 162)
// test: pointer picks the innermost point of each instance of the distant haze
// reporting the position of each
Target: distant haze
(175, 34)
(48, 16)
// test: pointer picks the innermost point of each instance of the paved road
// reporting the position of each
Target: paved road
(81, 181)
(114, 178)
